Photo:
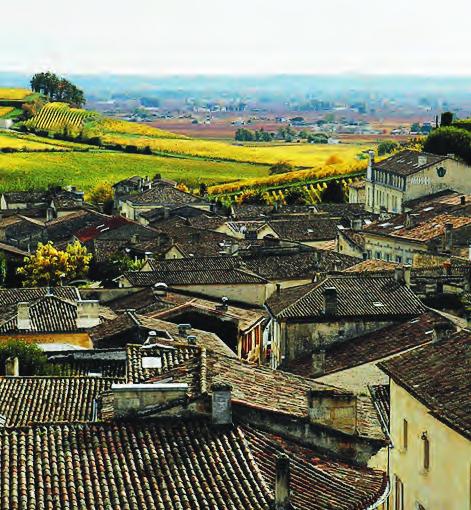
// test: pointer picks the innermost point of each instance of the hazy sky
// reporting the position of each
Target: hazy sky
(239, 36)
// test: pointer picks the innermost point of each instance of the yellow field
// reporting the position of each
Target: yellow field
(33, 143)
(14, 94)
(303, 155)
(4, 110)
(133, 128)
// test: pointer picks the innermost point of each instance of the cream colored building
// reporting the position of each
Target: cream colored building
(409, 175)
(430, 428)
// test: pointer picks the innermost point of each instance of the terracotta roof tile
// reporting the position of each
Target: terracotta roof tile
(160, 465)
(26, 400)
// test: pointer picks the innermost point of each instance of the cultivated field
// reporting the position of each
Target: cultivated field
(302, 155)
(85, 169)
(5, 110)
(14, 94)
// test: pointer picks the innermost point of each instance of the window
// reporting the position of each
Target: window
(404, 434)
(377, 255)
(399, 495)
(398, 259)
(426, 451)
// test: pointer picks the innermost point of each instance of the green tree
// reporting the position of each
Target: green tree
(333, 193)
(244, 135)
(449, 140)
(32, 359)
(446, 119)
(387, 147)
(281, 167)
(56, 88)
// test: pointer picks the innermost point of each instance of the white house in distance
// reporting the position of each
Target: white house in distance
(408, 175)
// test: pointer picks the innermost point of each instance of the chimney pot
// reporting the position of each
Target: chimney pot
(282, 482)
(183, 329)
(12, 367)
(399, 274)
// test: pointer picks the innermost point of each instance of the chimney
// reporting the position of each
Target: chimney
(330, 301)
(12, 367)
(87, 314)
(221, 407)
(468, 318)
(463, 199)
(371, 162)
(422, 160)
(318, 362)
(399, 274)
(191, 339)
(448, 238)
(440, 330)
(160, 289)
(135, 238)
(411, 220)
(334, 410)
(49, 214)
(407, 272)
(469, 252)
(282, 482)
(278, 285)
(357, 223)
(183, 329)
(23, 318)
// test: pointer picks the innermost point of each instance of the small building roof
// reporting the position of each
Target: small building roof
(409, 162)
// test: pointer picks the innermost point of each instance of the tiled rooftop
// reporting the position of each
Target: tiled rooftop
(373, 346)
(438, 375)
(156, 465)
(357, 296)
(407, 162)
(26, 400)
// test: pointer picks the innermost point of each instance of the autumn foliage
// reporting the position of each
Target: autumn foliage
(49, 266)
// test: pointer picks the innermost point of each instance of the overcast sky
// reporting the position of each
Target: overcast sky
(238, 36)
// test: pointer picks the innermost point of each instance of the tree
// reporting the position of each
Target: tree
(449, 140)
(244, 135)
(102, 194)
(281, 167)
(203, 189)
(446, 119)
(56, 88)
(333, 193)
(49, 266)
(387, 147)
(183, 187)
(32, 359)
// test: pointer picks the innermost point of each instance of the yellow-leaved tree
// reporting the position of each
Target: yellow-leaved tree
(49, 266)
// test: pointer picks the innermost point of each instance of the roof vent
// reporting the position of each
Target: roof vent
(191, 339)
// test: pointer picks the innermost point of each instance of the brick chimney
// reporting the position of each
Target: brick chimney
(87, 314)
(334, 410)
(422, 160)
(282, 482)
(12, 367)
(221, 407)
(330, 301)
(318, 362)
(23, 318)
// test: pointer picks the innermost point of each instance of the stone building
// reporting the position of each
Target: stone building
(409, 175)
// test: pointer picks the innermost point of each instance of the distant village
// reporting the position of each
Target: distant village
(288, 357)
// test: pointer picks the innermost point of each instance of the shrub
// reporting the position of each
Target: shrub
(449, 140)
